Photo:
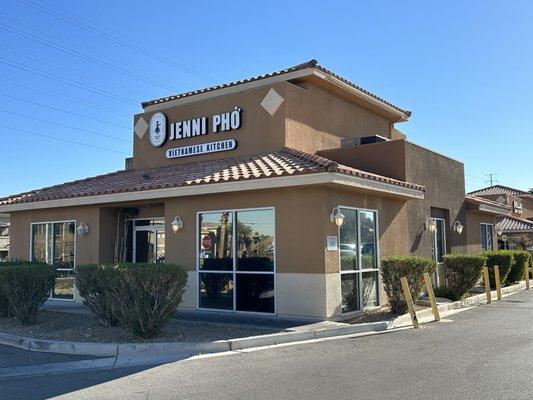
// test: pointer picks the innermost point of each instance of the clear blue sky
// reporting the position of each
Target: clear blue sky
(464, 68)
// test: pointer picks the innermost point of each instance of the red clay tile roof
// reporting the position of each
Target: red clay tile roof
(512, 224)
(497, 189)
(308, 64)
(480, 200)
(286, 162)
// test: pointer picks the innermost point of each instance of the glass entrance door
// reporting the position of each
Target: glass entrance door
(148, 242)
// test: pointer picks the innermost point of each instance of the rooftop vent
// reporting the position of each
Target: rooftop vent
(357, 141)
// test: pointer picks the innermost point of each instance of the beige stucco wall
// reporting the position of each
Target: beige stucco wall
(309, 119)
(473, 230)
(318, 119)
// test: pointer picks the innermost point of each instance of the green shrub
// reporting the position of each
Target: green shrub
(516, 274)
(142, 296)
(5, 310)
(443, 292)
(93, 283)
(394, 268)
(26, 286)
(462, 272)
(503, 259)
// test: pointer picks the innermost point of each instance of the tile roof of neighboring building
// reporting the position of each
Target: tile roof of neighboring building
(286, 162)
(308, 64)
(497, 189)
(480, 200)
(512, 224)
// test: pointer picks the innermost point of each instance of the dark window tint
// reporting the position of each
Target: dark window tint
(216, 290)
(255, 292)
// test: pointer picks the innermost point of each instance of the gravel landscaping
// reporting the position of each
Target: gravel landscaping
(54, 325)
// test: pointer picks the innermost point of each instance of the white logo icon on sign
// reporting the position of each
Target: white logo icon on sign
(158, 129)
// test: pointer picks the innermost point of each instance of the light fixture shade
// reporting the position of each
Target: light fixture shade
(176, 224)
(431, 224)
(499, 232)
(336, 216)
(82, 229)
(458, 227)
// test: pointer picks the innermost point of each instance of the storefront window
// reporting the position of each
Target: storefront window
(255, 240)
(486, 236)
(358, 247)
(250, 285)
(53, 243)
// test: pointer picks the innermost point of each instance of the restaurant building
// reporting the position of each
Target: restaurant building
(279, 194)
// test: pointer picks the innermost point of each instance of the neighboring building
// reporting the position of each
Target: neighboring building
(4, 237)
(279, 193)
(516, 228)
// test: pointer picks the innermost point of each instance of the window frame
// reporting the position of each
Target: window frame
(486, 224)
(234, 271)
(360, 271)
(50, 255)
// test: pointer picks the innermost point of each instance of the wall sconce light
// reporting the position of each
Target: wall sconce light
(457, 227)
(431, 224)
(176, 224)
(82, 229)
(499, 232)
(336, 216)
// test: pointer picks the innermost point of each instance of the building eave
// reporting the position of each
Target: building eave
(322, 178)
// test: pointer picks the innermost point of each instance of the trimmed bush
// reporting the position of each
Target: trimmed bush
(516, 274)
(5, 310)
(503, 259)
(394, 268)
(92, 282)
(142, 297)
(26, 286)
(462, 272)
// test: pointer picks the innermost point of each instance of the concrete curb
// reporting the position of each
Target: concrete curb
(146, 353)
(446, 308)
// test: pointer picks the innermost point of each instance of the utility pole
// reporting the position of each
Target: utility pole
(490, 178)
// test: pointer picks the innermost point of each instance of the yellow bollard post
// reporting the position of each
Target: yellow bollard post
(498, 283)
(486, 282)
(526, 275)
(431, 295)
(409, 301)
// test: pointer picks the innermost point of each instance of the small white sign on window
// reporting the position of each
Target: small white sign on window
(331, 243)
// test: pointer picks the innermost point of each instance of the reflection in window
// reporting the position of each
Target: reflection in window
(53, 243)
(348, 240)
(216, 290)
(358, 247)
(215, 241)
(486, 237)
(251, 270)
(64, 245)
(350, 292)
(368, 239)
(255, 240)
(370, 289)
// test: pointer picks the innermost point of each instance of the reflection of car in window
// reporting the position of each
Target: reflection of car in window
(367, 248)
(348, 250)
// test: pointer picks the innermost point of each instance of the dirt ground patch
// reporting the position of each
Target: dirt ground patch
(54, 325)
